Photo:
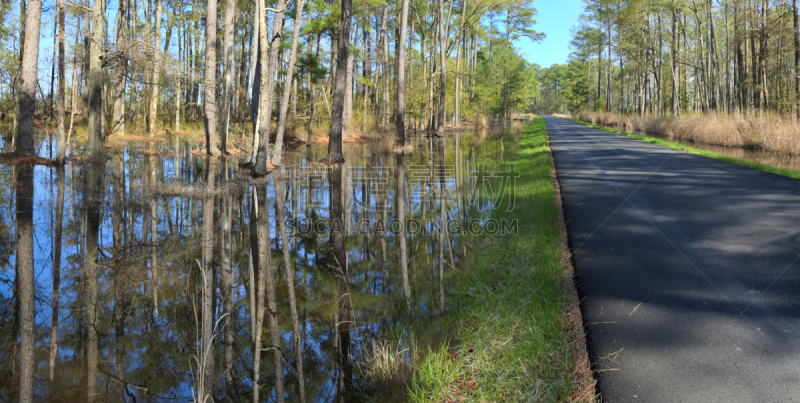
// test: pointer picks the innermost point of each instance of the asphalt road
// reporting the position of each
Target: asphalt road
(688, 269)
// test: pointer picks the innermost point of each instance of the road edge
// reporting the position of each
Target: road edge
(585, 383)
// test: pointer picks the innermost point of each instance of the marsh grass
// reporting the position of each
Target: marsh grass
(751, 130)
(513, 337)
(382, 361)
(694, 150)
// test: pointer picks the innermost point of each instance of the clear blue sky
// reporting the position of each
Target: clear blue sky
(555, 19)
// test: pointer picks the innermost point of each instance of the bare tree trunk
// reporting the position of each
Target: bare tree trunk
(177, 104)
(210, 79)
(230, 13)
(87, 33)
(259, 37)
(62, 139)
(385, 68)
(347, 121)
(443, 69)
(74, 91)
(676, 108)
(27, 86)
(400, 138)
(268, 86)
(337, 117)
(156, 71)
(298, 20)
(120, 72)
(312, 98)
(457, 92)
(95, 131)
(195, 90)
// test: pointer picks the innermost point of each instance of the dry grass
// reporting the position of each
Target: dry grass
(482, 120)
(383, 361)
(753, 131)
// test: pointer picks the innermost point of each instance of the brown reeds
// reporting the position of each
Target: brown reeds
(754, 131)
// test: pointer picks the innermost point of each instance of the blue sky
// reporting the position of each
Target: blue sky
(555, 19)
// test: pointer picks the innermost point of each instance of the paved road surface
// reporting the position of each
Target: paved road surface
(688, 268)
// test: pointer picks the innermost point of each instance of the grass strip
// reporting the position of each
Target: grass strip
(514, 326)
(705, 153)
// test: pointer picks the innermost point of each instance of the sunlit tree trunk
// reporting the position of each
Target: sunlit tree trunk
(87, 33)
(676, 108)
(268, 72)
(259, 37)
(210, 79)
(62, 139)
(347, 121)
(156, 71)
(28, 77)
(337, 119)
(401, 77)
(230, 13)
(312, 98)
(384, 109)
(298, 20)
(457, 90)
(120, 72)
(95, 130)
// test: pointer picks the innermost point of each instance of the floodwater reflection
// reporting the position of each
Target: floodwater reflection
(159, 274)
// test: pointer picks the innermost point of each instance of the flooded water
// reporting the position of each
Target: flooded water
(156, 273)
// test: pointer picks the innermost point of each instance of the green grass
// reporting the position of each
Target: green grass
(710, 154)
(510, 326)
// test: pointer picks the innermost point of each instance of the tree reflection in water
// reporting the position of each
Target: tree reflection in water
(300, 272)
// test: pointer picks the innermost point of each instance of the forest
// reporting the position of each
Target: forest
(673, 57)
(148, 67)
(154, 195)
